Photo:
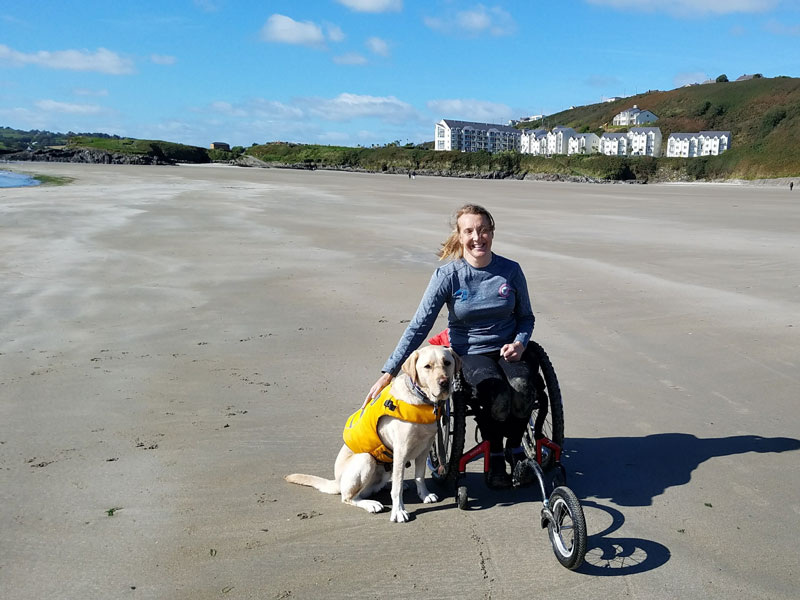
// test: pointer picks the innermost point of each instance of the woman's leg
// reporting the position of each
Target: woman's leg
(493, 404)
(521, 376)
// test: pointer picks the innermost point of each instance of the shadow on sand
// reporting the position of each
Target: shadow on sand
(628, 471)
(631, 471)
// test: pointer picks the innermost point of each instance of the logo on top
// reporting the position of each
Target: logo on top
(504, 291)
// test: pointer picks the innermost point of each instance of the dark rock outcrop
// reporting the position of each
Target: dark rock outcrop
(86, 155)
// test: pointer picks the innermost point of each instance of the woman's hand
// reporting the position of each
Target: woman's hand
(375, 390)
(512, 352)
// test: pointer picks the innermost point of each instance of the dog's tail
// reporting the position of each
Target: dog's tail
(327, 486)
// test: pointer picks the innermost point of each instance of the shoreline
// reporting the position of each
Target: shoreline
(532, 177)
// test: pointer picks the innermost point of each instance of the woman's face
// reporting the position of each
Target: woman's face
(475, 235)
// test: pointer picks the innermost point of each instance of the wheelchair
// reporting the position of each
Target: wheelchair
(561, 512)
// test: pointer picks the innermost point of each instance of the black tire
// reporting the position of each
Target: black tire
(567, 530)
(462, 499)
(448, 445)
(547, 418)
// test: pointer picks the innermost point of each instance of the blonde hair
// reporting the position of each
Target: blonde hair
(451, 247)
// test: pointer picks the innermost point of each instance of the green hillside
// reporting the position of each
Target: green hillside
(166, 150)
(763, 116)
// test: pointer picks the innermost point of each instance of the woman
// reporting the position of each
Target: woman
(490, 323)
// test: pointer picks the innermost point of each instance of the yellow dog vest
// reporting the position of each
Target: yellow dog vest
(361, 430)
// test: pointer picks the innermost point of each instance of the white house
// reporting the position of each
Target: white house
(584, 143)
(614, 144)
(705, 143)
(645, 141)
(714, 143)
(634, 116)
(467, 136)
(558, 139)
(534, 141)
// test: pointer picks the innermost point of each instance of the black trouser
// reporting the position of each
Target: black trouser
(504, 395)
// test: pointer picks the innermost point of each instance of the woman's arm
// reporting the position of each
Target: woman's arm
(429, 307)
(525, 320)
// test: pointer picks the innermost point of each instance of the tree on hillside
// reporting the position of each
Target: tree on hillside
(722, 78)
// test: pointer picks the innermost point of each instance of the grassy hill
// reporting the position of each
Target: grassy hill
(166, 150)
(763, 116)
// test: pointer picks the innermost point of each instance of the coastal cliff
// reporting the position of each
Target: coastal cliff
(86, 155)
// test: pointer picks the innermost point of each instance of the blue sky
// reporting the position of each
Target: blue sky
(362, 72)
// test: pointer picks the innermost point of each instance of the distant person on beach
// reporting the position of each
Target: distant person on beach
(791, 185)
(490, 323)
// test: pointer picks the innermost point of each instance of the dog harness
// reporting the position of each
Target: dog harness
(361, 430)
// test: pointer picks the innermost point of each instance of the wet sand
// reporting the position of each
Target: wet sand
(174, 340)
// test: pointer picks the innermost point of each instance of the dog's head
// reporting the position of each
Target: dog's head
(432, 369)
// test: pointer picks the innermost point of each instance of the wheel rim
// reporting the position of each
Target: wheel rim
(562, 528)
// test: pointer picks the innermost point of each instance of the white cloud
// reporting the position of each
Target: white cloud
(335, 33)
(228, 109)
(778, 28)
(691, 8)
(100, 61)
(373, 6)
(206, 5)
(475, 21)
(163, 59)
(258, 108)
(471, 110)
(66, 107)
(285, 30)
(682, 79)
(346, 107)
(88, 92)
(351, 58)
(378, 46)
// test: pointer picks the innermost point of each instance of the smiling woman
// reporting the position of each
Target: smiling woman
(10, 179)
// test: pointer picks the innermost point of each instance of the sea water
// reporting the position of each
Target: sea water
(9, 179)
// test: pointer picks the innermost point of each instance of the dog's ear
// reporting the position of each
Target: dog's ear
(456, 360)
(410, 366)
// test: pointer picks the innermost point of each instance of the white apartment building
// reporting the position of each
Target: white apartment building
(704, 143)
(558, 139)
(683, 145)
(584, 143)
(634, 116)
(714, 143)
(645, 141)
(534, 141)
(467, 136)
(614, 144)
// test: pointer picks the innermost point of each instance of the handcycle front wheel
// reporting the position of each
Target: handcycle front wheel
(567, 528)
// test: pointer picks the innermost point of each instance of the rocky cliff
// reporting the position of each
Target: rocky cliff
(86, 155)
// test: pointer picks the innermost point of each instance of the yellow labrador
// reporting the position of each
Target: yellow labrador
(423, 384)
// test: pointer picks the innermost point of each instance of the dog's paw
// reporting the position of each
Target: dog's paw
(371, 506)
(429, 498)
(399, 515)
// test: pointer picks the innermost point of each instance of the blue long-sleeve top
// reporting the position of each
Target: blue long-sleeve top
(488, 308)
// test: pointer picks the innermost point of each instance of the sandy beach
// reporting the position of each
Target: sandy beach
(174, 340)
